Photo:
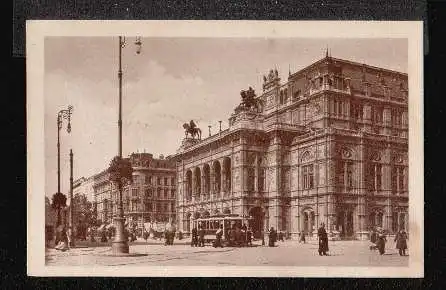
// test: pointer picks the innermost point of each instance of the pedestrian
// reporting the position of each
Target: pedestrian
(218, 236)
(194, 240)
(302, 237)
(103, 236)
(401, 243)
(272, 237)
(69, 237)
(201, 236)
(63, 242)
(381, 241)
(323, 240)
(249, 237)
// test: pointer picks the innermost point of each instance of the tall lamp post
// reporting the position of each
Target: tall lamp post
(120, 243)
(71, 213)
(59, 199)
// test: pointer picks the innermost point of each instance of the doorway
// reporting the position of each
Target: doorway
(345, 223)
(256, 224)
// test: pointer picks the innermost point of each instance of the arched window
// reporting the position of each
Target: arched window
(189, 185)
(217, 177)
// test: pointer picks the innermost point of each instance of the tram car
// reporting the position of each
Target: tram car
(235, 229)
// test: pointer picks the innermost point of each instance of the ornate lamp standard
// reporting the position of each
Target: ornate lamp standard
(59, 199)
(120, 169)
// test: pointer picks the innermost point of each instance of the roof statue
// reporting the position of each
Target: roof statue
(192, 129)
(249, 101)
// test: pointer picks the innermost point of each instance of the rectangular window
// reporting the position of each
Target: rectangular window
(158, 193)
(165, 194)
(251, 179)
(395, 221)
(173, 192)
(308, 176)
(134, 206)
(261, 185)
(165, 180)
(172, 181)
(148, 192)
(401, 179)
(134, 191)
(158, 181)
(377, 115)
(172, 207)
(375, 176)
(149, 206)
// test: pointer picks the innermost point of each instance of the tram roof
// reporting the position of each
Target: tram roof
(229, 217)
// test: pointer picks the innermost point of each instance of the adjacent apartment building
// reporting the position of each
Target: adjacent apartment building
(150, 198)
(329, 144)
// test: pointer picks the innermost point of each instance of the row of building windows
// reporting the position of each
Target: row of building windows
(149, 207)
(160, 192)
(346, 178)
(148, 179)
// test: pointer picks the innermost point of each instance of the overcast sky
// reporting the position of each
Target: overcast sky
(172, 81)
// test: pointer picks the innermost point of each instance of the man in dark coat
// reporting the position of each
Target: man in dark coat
(323, 240)
(218, 236)
(194, 241)
(401, 243)
(381, 242)
(302, 237)
(200, 236)
(272, 237)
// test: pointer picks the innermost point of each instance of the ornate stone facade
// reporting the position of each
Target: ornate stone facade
(329, 145)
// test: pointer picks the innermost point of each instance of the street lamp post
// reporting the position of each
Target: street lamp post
(120, 243)
(59, 199)
(63, 114)
(71, 213)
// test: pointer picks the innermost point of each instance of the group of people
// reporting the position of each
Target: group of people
(378, 239)
(238, 236)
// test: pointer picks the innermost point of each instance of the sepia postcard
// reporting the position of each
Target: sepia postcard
(225, 148)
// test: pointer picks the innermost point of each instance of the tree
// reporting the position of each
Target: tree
(83, 214)
(59, 202)
(120, 170)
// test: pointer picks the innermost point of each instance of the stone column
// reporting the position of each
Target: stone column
(211, 181)
(256, 175)
(193, 181)
(398, 180)
(203, 185)
(222, 177)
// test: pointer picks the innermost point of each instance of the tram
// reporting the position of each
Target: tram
(233, 228)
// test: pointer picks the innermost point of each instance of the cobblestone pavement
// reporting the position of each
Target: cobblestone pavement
(288, 253)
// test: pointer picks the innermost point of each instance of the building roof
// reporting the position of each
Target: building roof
(346, 62)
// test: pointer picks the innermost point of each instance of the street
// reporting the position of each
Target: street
(288, 253)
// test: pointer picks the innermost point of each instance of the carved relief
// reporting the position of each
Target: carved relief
(306, 156)
(375, 155)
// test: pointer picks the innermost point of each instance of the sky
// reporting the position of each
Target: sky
(172, 81)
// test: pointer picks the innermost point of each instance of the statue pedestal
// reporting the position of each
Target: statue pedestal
(187, 142)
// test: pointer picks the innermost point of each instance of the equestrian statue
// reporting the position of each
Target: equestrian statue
(192, 129)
